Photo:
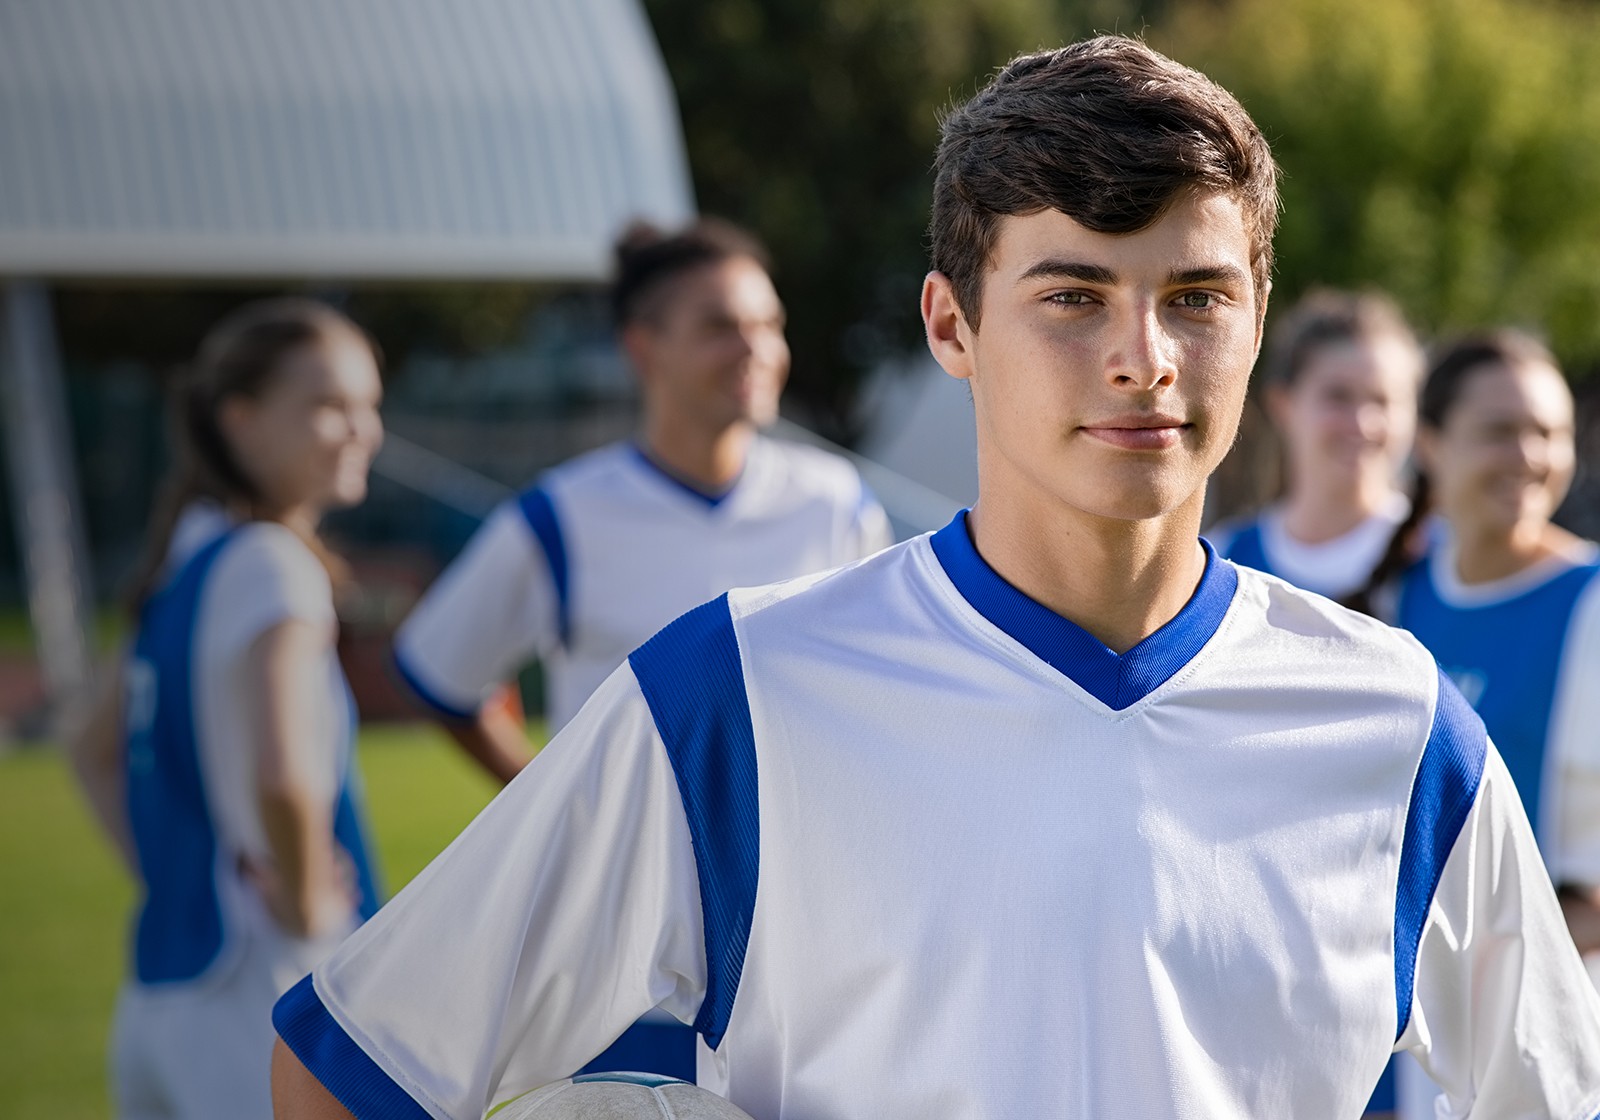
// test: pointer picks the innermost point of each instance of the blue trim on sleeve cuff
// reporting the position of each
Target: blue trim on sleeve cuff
(427, 696)
(692, 678)
(334, 1059)
(1442, 796)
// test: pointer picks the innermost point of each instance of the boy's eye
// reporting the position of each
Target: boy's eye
(1200, 301)
(1071, 299)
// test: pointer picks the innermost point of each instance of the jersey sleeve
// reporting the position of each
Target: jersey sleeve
(494, 608)
(564, 912)
(267, 576)
(1575, 746)
(1501, 1012)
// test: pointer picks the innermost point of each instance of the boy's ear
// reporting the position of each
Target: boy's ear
(949, 337)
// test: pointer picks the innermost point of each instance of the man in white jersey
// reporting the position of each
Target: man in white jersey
(1052, 813)
(610, 547)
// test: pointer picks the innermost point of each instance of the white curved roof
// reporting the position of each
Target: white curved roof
(340, 138)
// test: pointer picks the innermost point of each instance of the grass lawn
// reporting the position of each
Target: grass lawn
(64, 904)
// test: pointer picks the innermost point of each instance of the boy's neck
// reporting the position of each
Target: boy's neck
(1119, 580)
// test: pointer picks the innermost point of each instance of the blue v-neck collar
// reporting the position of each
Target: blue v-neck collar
(708, 499)
(1116, 680)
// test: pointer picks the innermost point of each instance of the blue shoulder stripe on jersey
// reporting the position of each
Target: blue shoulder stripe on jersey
(693, 680)
(334, 1059)
(419, 688)
(540, 513)
(1116, 680)
(1442, 795)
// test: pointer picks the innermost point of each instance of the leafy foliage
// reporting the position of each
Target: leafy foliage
(1445, 150)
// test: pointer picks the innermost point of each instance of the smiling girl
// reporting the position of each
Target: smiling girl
(220, 758)
(1508, 602)
(1341, 375)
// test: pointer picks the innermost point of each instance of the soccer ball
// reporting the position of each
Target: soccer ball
(620, 1096)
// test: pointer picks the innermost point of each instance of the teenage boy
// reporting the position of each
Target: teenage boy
(1051, 813)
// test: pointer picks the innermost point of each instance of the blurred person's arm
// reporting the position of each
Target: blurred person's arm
(496, 607)
(303, 886)
(95, 750)
(494, 736)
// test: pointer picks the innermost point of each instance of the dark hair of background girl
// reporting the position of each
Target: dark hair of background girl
(1448, 375)
(1327, 317)
(240, 357)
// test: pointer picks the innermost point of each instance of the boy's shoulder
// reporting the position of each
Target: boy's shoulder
(1274, 613)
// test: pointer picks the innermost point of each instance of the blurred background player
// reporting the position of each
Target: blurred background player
(219, 759)
(1509, 604)
(1341, 373)
(611, 546)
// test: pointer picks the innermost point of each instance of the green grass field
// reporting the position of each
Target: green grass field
(64, 904)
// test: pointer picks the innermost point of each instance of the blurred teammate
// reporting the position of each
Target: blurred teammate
(1510, 604)
(220, 760)
(1341, 375)
(610, 547)
(1050, 813)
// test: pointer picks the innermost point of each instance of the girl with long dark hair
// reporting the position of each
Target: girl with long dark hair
(220, 756)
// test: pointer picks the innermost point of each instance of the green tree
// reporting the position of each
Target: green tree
(1446, 150)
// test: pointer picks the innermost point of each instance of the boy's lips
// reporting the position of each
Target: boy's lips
(1139, 431)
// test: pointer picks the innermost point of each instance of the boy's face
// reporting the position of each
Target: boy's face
(1110, 369)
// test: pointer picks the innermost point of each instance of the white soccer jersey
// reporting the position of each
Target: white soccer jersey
(608, 549)
(904, 844)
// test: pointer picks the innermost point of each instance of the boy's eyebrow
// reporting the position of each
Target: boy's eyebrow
(1209, 274)
(1053, 269)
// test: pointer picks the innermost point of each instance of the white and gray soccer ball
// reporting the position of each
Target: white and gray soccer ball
(620, 1096)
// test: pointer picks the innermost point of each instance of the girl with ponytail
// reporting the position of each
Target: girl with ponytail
(1509, 602)
(220, 757)
(1341, 372)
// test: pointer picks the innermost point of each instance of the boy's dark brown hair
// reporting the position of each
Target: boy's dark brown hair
(1107, 131)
